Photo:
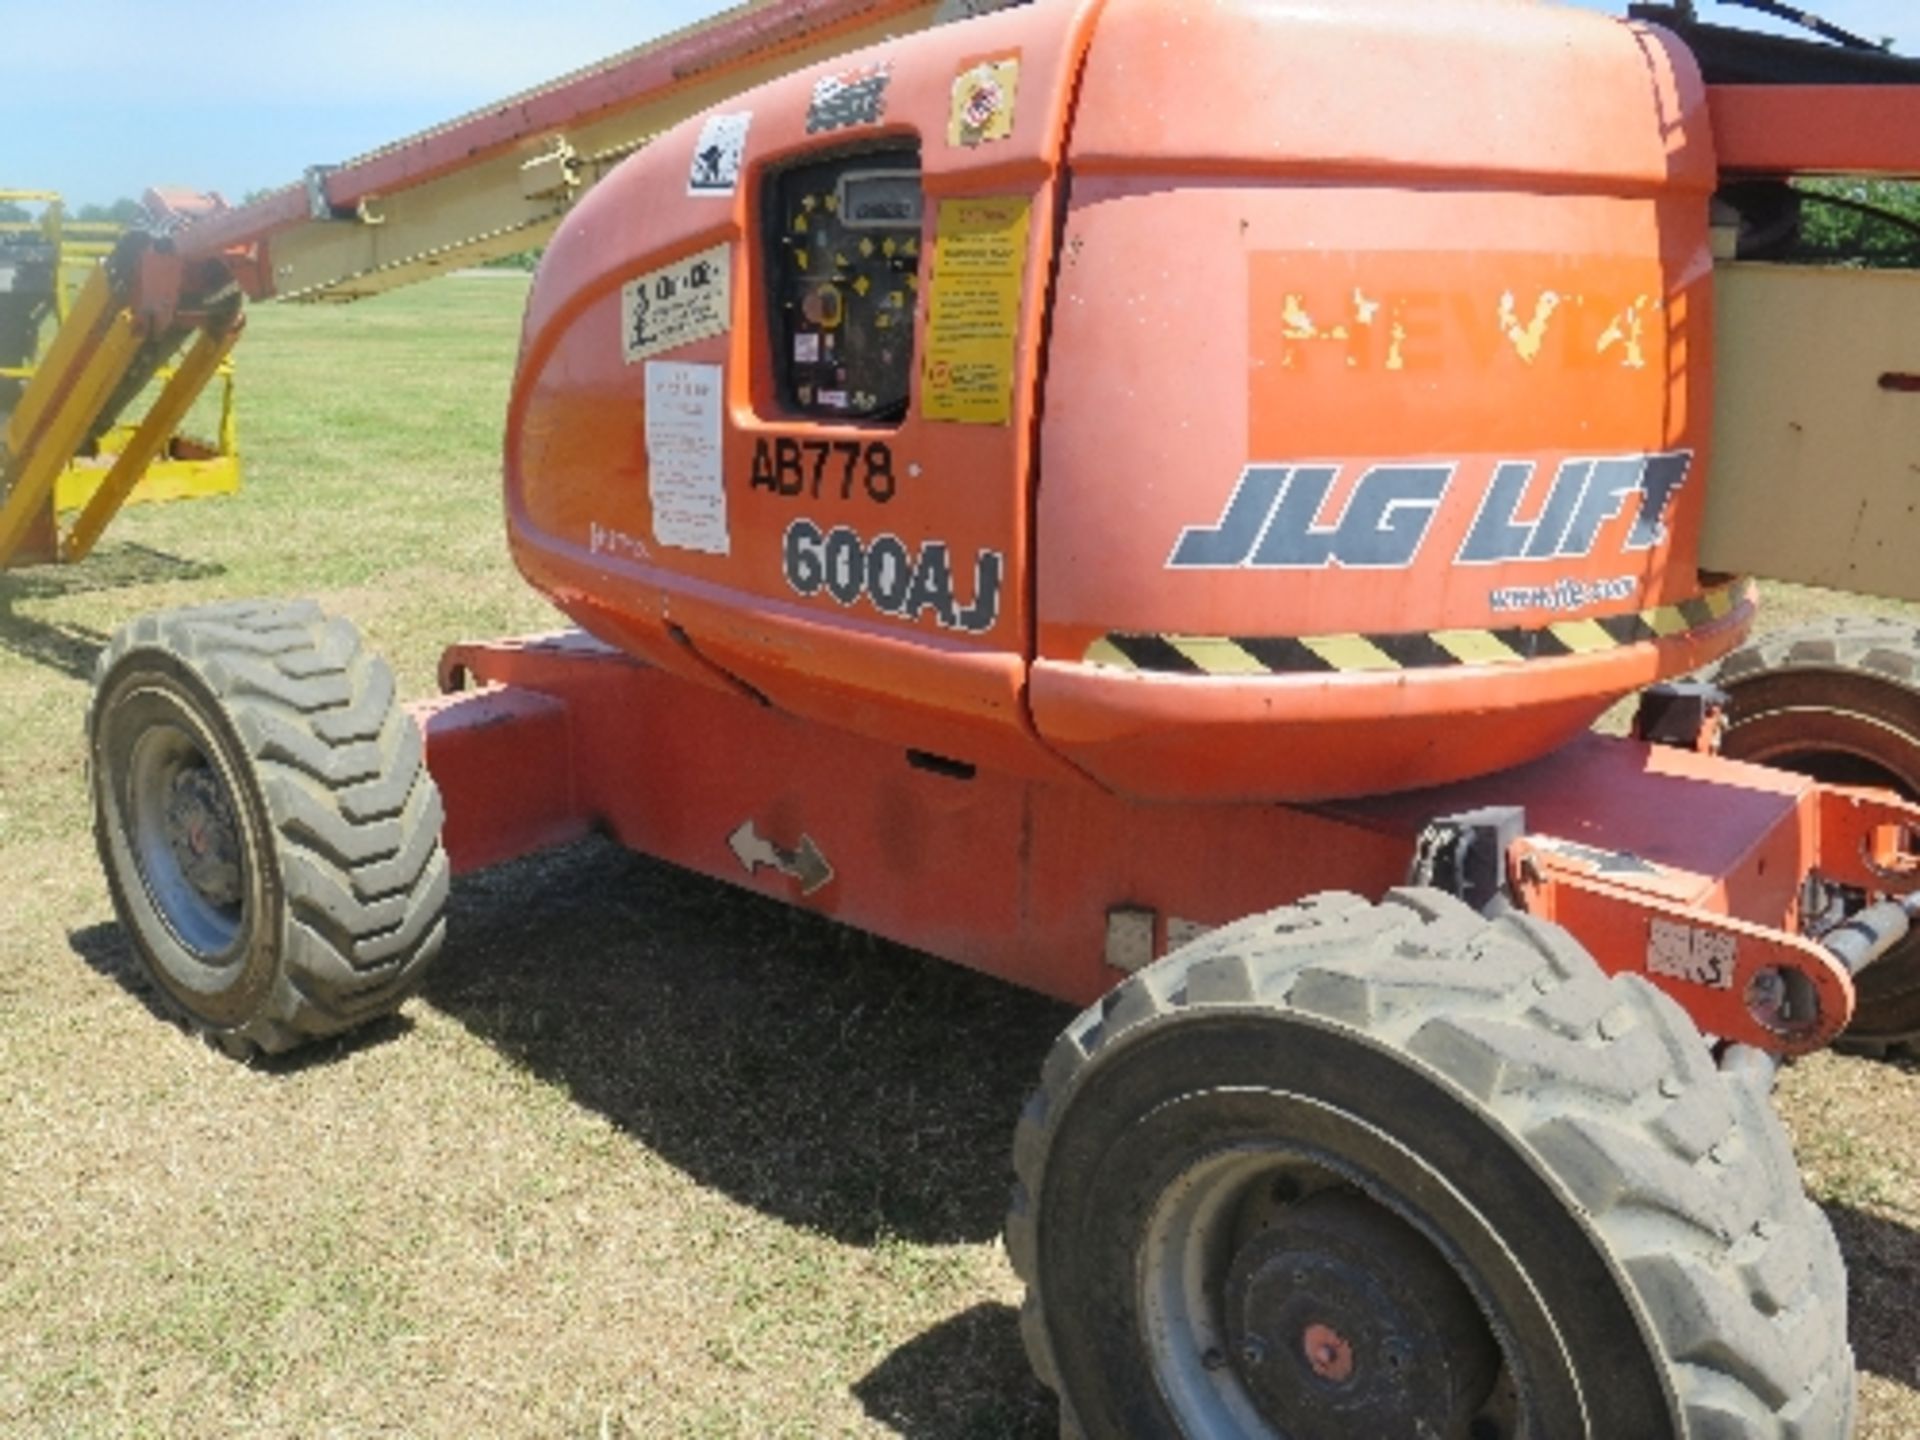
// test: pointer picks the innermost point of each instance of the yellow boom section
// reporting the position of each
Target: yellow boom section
(64, 357)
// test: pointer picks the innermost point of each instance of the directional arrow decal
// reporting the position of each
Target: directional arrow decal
(1604, 862)
(804, 864)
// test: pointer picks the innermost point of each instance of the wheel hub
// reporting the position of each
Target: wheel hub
(188, 838)
(1347, 1324)
(202, 835)
(1329, 1354)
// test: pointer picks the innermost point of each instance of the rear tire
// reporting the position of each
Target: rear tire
(1347, 1170)
(269, 831)
(1839, 700)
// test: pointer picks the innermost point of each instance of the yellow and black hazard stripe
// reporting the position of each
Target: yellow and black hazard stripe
(1409, 650)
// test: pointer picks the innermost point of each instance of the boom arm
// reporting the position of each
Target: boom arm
(499, 180)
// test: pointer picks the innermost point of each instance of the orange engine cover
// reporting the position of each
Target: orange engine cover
(1276, 400)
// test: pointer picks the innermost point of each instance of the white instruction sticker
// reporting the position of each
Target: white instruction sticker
(716, 154)
(676, 304)
(1692, 953)
(683, 457)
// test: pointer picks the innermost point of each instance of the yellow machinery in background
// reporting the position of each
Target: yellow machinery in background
(46, 261)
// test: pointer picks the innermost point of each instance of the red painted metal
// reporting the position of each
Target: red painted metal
(1616, 923)
(1866, 840)
(1510, 282)
(1171, 335)
(1017, 876)
(1816, 129)
(503, 759)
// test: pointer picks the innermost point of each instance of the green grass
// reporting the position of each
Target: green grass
(649, 1158)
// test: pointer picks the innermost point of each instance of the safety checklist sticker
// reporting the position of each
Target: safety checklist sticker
(683, 457)
(973, 319)
(677, 304)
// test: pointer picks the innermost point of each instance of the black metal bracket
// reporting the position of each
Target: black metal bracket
(1466, 855)
(1685, 714)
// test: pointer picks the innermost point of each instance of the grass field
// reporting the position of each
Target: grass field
(648, 1158)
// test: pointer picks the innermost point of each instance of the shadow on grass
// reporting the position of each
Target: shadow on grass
(819, 1076)
(967, 1377)
(1883, 1277)
(67, 648)
(106, 950)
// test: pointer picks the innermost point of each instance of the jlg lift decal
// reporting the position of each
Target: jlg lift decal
(1411, 650)
(894, 579)
(1586, 494)
(1274, 518)
(1269, 522)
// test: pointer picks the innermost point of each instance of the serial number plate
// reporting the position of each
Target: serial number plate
(1691, 953)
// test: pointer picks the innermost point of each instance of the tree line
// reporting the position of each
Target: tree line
(120, 212)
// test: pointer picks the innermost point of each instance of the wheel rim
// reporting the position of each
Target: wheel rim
(1817, 724)
(1855, 756)
(1838, 742)
(1277, 1297)
(187, 842)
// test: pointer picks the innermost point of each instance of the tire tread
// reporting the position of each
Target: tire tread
(355, 814)
(1684, 1175)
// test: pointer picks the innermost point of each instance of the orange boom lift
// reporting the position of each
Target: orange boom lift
(1146, 498)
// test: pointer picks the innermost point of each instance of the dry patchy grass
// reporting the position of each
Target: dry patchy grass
(650, 1157)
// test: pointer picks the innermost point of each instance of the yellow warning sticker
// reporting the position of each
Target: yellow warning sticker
(973, 319)
(983, 102)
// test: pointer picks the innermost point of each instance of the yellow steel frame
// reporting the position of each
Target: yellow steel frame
(175, 466)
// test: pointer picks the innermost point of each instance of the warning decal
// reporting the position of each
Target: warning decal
(979, 262)
(716, 154)
(983, 102)
(683, 457)
(676, 304)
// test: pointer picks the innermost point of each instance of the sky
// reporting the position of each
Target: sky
(101, 98)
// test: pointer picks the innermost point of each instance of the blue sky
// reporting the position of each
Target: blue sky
(100, 98)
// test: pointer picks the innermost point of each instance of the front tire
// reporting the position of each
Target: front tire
(1348, 1170)
(1839, 700)
(269, 831)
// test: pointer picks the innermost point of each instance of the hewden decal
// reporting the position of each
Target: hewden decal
(716, 154)
(1275, 519)
(893, 578)
(676, 304)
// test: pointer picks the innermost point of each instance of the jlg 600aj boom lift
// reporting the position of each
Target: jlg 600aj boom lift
(1053, 489)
